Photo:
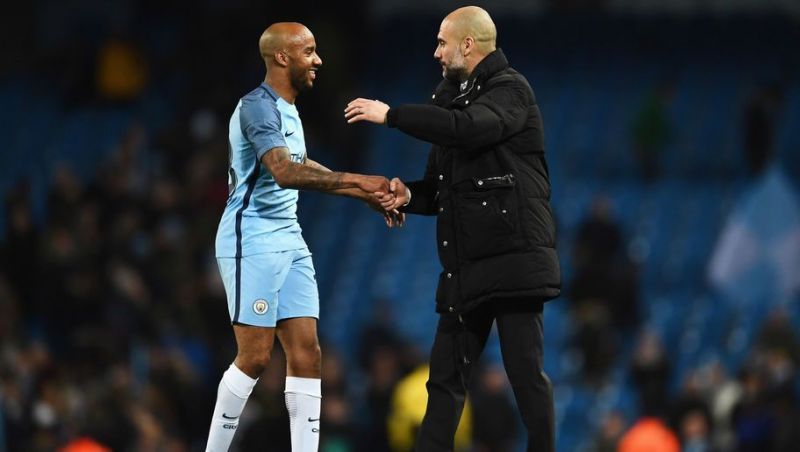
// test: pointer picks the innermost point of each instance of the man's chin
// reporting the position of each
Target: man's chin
(303, 86)
(449, 75)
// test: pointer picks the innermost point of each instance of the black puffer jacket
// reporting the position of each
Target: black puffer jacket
(487, 181)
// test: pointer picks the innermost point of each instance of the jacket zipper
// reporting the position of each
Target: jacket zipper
(467, 91)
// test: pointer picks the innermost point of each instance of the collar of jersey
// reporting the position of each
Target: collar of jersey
(270, 91)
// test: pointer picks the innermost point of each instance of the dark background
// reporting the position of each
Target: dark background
(672, 137)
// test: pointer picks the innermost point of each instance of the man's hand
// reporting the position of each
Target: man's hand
(372, 184)
(397, 196)
(366, 110)
(390, 217)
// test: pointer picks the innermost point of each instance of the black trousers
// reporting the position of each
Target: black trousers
(458, 345)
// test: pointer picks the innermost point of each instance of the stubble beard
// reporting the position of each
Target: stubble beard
(456, 71)
(299, 79)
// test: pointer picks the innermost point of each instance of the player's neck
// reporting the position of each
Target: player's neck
(283, 87)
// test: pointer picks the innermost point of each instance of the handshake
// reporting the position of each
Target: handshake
(385, 197)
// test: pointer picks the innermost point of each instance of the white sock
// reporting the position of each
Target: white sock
(303, 400)
(234, 389)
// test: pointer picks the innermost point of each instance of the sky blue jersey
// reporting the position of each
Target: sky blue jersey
(260, 216)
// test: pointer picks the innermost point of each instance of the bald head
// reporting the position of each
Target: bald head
(290, 53)
(475, 22)
(466, 36)
(282, 37)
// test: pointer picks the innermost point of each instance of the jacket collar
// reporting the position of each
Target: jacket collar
(490, 65)
(450, 91)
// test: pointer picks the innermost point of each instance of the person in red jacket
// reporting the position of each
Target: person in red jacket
(649, 434)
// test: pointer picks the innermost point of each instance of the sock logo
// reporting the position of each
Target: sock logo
(229, 426)
(230, 417)
(313, 420)
(314, 430)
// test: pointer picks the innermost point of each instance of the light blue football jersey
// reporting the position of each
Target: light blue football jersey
(260, 216)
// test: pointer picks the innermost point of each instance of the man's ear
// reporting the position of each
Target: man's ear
(469, 45)
(281, 58)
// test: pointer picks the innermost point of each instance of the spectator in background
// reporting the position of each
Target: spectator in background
(84, 444)
(691, 397)
(695, 431)
(611, 430)
(753, 419)
(690, 415)
(20, 263)
(384, 370)
(604, 291)
(408, 409)
(776, 353)
(494, 421)
(777, 335)
(650, 371)
(649, 434)
(121, 71)
(651, 129)
(724, 393)
(758, 126)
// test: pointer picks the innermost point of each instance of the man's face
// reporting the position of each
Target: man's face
(303, 62)
(448, 54)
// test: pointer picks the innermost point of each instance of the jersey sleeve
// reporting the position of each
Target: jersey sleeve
(261, 125)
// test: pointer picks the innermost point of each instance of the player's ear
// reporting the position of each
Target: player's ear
(282, 58)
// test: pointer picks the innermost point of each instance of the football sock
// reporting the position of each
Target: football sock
(303, 400)
(232, 394)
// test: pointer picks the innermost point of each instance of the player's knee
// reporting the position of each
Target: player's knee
(306, 356)
(253, 364)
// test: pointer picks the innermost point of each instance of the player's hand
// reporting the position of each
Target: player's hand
(398, 195)
(372, 184)
(366, 110)
(391, 218)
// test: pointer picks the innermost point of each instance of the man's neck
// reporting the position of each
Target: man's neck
(471, 68)
(282, 87)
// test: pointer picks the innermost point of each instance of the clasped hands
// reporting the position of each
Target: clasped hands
(386, 198)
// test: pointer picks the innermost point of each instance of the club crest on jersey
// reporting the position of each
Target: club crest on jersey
(260, 306)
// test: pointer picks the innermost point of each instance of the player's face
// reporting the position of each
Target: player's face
(448, 54)
(304, 62)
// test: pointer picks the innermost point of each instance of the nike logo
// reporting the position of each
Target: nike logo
(288, 134)
(229, 417)
(313, 420)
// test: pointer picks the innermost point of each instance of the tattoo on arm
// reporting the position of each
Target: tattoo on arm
(315, 164)
(351, 192)
(291, 174)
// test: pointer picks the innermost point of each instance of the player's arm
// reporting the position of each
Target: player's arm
(289, 174)
(391, 217)
(356, 193)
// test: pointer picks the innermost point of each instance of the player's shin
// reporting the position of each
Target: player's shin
(303, 400)
(234, 389)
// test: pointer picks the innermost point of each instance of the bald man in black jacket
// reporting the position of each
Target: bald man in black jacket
(488, 183)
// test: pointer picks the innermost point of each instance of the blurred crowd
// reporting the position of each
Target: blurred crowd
(114, 329)
(113, 322)
(712, 410)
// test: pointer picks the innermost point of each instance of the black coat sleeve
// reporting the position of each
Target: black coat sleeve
(424, 192)
(492, 118)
